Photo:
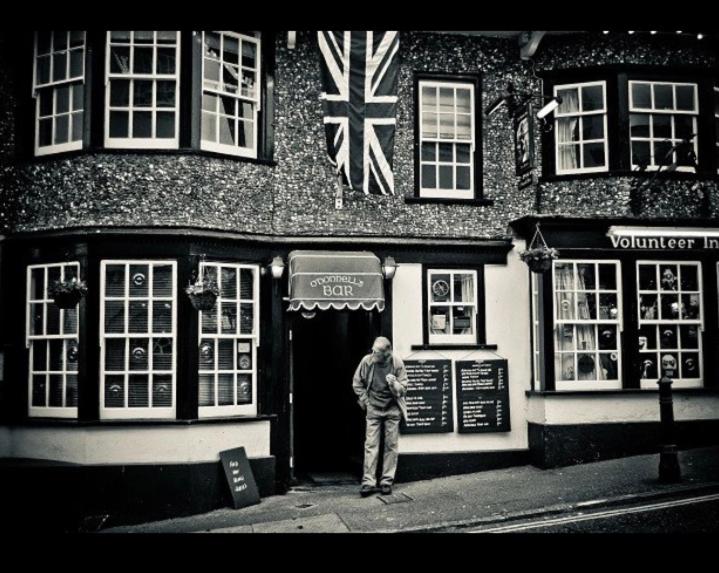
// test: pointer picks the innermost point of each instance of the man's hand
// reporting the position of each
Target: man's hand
(362, 403)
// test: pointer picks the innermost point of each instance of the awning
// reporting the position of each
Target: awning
(335, 279)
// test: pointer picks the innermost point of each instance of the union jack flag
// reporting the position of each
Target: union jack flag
(359, 80)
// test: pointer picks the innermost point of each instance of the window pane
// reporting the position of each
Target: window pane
(62, 99)
(114, 391)
(593, 127)
(445, 177)
(227, 130)
(38, 390)
(162, 354)
(162, 280)
(115, 354)
(446, 125)
(142, 124)
(440, 287)
(462, 320)
(138, 395)
(62, 129)
(119, 60)
(143, 60)
(683, 126)
(249, 55)
(685, 98)
(246, 318)
(76, 126)
(207, 390)
(137, 316)
(56, 362)
(463, 287)
(567, 129)
(162, 316)
(568, 157)
(43, 70)
(165, 93)
(608, 309)
(119, 124)
(139, 280)
(162, 390)
(570, 100)
(463, 178)
(76, 63)
(662, 125)
(439, 322)
(641, 96)
(663, 96)
(429, 98)
(245, 135)
(592, 98)
(143, 36)
(565, 305)
(207, 355)
(594, 155)
(165, 60)
(39, 355)
(209, 127)
(463, 101)
(45, 136)
(43, 42)
(462, 151)
(446, 152)
(464, 130)
(59, 66)
(429, 125)
(662, 152)
(56, 392)
(225, 390)
(429, 177)
(71, 390)
(142, 93)
(244, 389)
(429, 152)
(165, 124)
(639, 124)
(648, 309)
(446, 100)
(139, 359)
(641, 154)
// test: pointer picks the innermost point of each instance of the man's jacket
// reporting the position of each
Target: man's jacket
(362, 381)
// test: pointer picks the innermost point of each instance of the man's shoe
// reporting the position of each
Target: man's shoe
(366, 490)
(385, 489)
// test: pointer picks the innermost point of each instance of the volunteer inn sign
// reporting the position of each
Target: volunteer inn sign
(663, 238)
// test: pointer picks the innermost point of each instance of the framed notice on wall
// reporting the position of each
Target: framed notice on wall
(482, 396)
(429, 397)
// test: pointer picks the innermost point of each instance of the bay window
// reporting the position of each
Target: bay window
(662, 114)
(587, 324)
(581, 128)
(58, 89)
(138, 338)
(230, 92)
(142, 89)
(670, 320)
(229, 338)
(52, 340)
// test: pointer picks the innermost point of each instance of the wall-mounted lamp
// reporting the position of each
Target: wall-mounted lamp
(515, 101)
(277, 267)
(389, 267)
(549, 107)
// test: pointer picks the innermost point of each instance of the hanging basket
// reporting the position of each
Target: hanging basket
(66, 294)
(204, 300)
(539, 258)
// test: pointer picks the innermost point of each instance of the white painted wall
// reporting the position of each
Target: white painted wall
(634, 407)
(135, 445)
(507, 325)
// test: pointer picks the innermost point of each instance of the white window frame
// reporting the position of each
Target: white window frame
(452, 338)
(46, 301)
(672, 112)
(70, 82)
(254, 339)
(580, 114)
(437, 193)
(138, 412)
(595, 384)
(145, 142)
(699, 322)
(256, 102)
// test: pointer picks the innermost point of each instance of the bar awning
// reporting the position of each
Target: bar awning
(335, 279)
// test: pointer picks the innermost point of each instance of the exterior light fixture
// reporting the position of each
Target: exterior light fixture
(549, 107)
(630, 31)
(700, 36)
(652, 32)
(277, 267)
(605, 32)
(679, 31)
(389, 267)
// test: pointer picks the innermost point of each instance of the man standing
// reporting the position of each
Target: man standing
(380, 381)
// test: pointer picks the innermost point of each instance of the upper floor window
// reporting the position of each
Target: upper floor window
(142, 93)
(447, 139)
(581, 128)
(52, 339)
(230, 92)
(452, 311)
(58, 88)
(662, 114)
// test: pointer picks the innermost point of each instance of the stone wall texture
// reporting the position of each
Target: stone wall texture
(295, 196)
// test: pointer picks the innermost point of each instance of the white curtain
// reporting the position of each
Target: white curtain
(566, 128)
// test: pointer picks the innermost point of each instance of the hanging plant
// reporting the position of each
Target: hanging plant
(203, 293)
(67, 293)
(539, 257)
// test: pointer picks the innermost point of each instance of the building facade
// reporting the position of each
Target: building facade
(139, 160)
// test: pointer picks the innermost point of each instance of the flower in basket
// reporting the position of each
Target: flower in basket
(539, 259)
(68, 292)
(203, 293)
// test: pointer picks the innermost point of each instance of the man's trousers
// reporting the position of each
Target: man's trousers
(377, 420)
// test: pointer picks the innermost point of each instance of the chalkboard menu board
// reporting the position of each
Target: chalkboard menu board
(239, 477)
(429, 397)
(482, 395)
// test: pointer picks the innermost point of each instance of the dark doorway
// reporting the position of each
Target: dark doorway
(328, 423)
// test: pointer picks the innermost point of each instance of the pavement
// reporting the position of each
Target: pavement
(454, 503)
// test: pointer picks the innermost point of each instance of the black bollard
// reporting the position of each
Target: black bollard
(669, 471)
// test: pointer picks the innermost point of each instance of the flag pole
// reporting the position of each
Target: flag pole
(338, 192)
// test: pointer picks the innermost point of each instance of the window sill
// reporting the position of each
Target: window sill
(40, 422)
(64, 155)
(676, 175)
(454, 347)
(447, 201)
(623, 391)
